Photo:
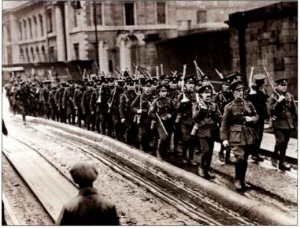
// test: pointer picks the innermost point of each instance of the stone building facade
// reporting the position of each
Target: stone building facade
(52, 31)
(266, 37)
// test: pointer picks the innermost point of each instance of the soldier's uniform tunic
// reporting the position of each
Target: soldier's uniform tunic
(165, 109)
(285, 120)
(206, 117)
(240, 134)
(185, 118)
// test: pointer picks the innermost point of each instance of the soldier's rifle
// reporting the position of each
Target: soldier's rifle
(200, 72)
(112, 100)
(272, 83)
(250, 83)
(184, 98)
(120, 73)
(69, 73)
(157, 72)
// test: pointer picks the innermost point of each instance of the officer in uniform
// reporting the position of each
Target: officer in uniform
(239, 132)
(259, 97)
(185, 104)
(284, 113)
(206, 118)
(162, 111)
(223, 98)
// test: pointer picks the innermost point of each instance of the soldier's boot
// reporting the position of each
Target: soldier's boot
(275, 155)
(282, 166)
(201, 172)
(221, 155)
(238, 177)
(227, 157)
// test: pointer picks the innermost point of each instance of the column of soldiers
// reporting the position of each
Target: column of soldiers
(175, 116)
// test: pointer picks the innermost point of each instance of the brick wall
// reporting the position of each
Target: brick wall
(210, 49)
(270, 41)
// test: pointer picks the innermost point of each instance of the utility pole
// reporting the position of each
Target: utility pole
(96, 35)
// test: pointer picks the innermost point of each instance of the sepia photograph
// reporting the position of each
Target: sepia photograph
(149, 113)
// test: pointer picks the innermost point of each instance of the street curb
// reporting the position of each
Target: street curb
(263, 214)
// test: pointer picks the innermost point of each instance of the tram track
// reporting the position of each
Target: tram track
(195, 205)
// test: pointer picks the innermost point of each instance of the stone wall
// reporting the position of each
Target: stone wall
(270, 40)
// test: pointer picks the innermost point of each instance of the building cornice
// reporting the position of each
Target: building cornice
(101, 28)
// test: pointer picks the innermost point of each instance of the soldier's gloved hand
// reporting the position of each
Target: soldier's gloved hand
(123, 120)
(169, 116)
(139, 111)
(248, 119)
(281, 98)
(225, 143)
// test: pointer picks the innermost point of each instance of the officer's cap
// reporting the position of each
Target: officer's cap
(205, 77)
(236, 85)
(47, 82)
(83, 172)
(229, 78)
(163, 87)
(164, 77)
(70, 81)
(205, 88)
(259, 77)
(148, 82)
(190, 78)
(282, 81)
(65, 84)
(174, 79)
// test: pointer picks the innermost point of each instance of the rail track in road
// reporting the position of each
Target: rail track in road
(191, 210)
(198, 207)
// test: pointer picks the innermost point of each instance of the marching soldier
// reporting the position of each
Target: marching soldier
(238, 131)
(52, 104)
(223, 98)
(206, 119)
(140, 108)
(174, 95)
(77, 102)
(22, 98)
(162, 110)
(44, 97)
(85, 104)
(284, 112)
(127, 115)
(68, 102)
(106, 127)
(186, 102)
(259, 97)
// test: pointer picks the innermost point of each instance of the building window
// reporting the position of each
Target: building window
(42, 25)
(35, 29)
(161, 12)
(201, 16)
(129, 13)
(52, 56)
(25, 30)
(20, 31)
(76, 51)
(30, 28)
(49, 21)
(98, 13)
